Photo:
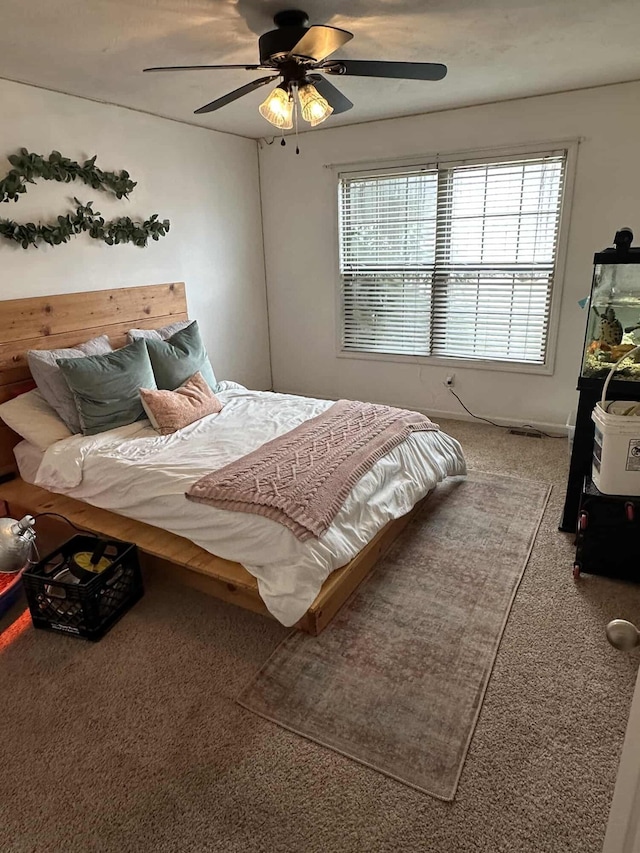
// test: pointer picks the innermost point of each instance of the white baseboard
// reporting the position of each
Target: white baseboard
(554, 429)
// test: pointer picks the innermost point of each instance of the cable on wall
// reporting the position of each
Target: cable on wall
(501, 426)
(477, 417)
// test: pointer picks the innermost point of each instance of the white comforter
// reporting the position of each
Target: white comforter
(139, 474)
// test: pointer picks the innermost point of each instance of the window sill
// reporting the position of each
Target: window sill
(441, 361)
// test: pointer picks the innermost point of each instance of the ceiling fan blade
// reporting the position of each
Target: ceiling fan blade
(336, 99)
(395, 70)
(319, 42)
(233, 96)
(203, 67)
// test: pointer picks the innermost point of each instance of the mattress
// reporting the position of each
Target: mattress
(137, 473)
(28, 458)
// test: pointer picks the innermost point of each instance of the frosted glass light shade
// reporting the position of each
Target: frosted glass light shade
(278, 108)
(315, 109)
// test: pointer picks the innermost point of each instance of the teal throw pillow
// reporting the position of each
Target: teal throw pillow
(106, 388)
(179, 357)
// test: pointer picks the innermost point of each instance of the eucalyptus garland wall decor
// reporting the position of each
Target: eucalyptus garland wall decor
(28, 167)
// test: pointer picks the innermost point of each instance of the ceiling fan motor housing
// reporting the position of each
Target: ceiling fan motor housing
(292, 25)
(277, 43)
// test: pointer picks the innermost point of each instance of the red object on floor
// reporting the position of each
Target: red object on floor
(7, 580)
(14, 630)
(10, 590)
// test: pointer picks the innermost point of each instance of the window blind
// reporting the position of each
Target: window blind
(452, 260)
(387, 257)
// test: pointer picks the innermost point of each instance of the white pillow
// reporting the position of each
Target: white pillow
(33, 418)
(158, 334)
(51, 382)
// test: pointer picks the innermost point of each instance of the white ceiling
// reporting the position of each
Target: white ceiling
(495, 49)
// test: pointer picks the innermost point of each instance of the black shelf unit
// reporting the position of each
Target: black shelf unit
(590, 389)
(608, 534)
(580, 466)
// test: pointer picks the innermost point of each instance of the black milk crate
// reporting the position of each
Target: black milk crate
(85, 608)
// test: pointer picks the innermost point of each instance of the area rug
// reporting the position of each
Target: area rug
(397, 680)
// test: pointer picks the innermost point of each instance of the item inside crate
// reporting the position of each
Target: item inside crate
(84, 586)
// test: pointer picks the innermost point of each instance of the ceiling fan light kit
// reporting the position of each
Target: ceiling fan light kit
(279, 105)
(278, 108)
(314, 108)
(296, 54)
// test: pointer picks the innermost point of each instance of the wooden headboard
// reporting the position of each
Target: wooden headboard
(52, 322)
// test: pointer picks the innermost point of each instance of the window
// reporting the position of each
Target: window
(455, 260)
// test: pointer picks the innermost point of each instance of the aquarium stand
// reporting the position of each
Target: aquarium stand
(613, 315)
(580, 467)
(608, 535)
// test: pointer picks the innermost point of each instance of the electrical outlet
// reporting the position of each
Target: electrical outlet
(449, 380)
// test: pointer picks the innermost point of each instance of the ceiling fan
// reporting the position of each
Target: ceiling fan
(297, 54)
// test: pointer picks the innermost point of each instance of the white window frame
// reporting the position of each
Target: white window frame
(460, 158)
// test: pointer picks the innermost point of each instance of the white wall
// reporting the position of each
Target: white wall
(205, 182)
(299, 207)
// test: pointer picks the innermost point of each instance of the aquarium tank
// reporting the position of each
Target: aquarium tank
(613, 325)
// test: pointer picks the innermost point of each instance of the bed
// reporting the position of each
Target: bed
(130, 482)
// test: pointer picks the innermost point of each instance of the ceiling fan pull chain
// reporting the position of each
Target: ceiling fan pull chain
(295, 119)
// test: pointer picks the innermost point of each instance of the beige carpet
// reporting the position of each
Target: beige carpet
(136, 744)
(397, 680)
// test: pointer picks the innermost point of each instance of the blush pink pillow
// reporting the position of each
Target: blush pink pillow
(170, 411)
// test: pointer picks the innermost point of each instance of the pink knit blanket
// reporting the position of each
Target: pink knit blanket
(302, 478)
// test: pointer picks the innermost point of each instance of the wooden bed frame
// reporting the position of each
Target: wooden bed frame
(51, 322)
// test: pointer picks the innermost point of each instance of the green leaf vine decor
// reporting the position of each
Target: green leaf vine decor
(27, 168)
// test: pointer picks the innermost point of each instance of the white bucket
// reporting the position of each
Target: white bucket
(615, 466)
